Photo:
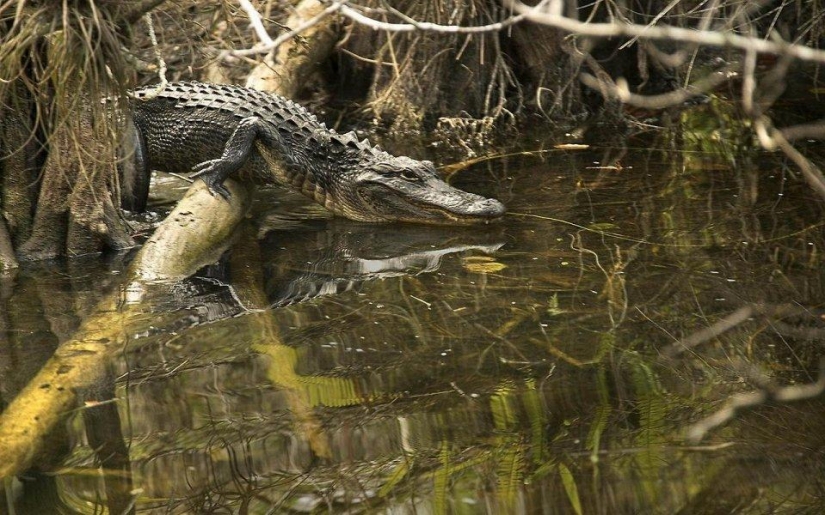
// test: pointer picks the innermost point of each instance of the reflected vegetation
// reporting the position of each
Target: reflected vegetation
(326, 365)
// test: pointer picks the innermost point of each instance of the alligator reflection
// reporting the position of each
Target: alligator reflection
(338, 257)
(318, 259)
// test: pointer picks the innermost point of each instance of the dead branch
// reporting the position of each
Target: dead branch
(814, 130)
(256, 21)
(413, 25)
(621, 91)
(722, 39)
(273, 45)
(340, 7)
(771, 138)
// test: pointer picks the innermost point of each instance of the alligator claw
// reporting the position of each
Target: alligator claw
(210, 173)
(217, 188)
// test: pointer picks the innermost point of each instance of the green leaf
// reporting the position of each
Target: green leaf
(570, 487)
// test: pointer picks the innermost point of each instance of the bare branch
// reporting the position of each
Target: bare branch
(339, 6)
(412, 24)
(273, 44)
(811, 173)
(814, 130)
(667, 32)
(621, 91)
(256, 21)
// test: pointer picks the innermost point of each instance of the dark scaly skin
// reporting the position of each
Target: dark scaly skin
(220, 130)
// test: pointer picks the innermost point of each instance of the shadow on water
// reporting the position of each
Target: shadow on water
(326, 365)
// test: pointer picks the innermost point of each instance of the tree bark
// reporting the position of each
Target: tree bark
(7, 259)
(20, 153)
(75, 211)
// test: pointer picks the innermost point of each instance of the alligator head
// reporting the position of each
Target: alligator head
(379, 187)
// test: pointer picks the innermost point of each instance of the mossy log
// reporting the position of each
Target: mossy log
(194, 233)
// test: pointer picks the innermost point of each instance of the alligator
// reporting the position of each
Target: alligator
(218, 130)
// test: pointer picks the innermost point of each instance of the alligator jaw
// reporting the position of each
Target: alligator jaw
(432, 201)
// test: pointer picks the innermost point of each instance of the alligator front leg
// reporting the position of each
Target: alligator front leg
(235, 154)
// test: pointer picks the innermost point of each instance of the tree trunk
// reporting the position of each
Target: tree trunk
(76, 214)
(20, 158)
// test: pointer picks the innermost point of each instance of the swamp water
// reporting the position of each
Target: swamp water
(519, 367)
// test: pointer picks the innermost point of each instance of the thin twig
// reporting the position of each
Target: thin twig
(161, 63)
(413, 25)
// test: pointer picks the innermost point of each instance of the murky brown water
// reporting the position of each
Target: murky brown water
(514, 368)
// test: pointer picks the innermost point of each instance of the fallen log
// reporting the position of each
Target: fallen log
(193, 235)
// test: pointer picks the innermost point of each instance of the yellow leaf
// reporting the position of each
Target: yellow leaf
(485, 268)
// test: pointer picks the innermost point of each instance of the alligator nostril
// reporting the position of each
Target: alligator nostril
(492, 207)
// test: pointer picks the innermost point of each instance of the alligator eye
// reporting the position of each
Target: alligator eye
(409, 175)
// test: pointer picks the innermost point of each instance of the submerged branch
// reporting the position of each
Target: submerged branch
(766, 394)
(729, 322)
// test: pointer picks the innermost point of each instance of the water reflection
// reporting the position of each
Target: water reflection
(326, 365)
(335, 257)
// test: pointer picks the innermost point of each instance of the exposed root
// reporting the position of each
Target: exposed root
(469, 134)
(7, 259)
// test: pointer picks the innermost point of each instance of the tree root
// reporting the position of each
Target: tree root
(7, 259)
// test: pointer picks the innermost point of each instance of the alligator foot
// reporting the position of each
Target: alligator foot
(212, 173)
(235, 154)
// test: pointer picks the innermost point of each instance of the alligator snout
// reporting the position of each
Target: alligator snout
(488, 207)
